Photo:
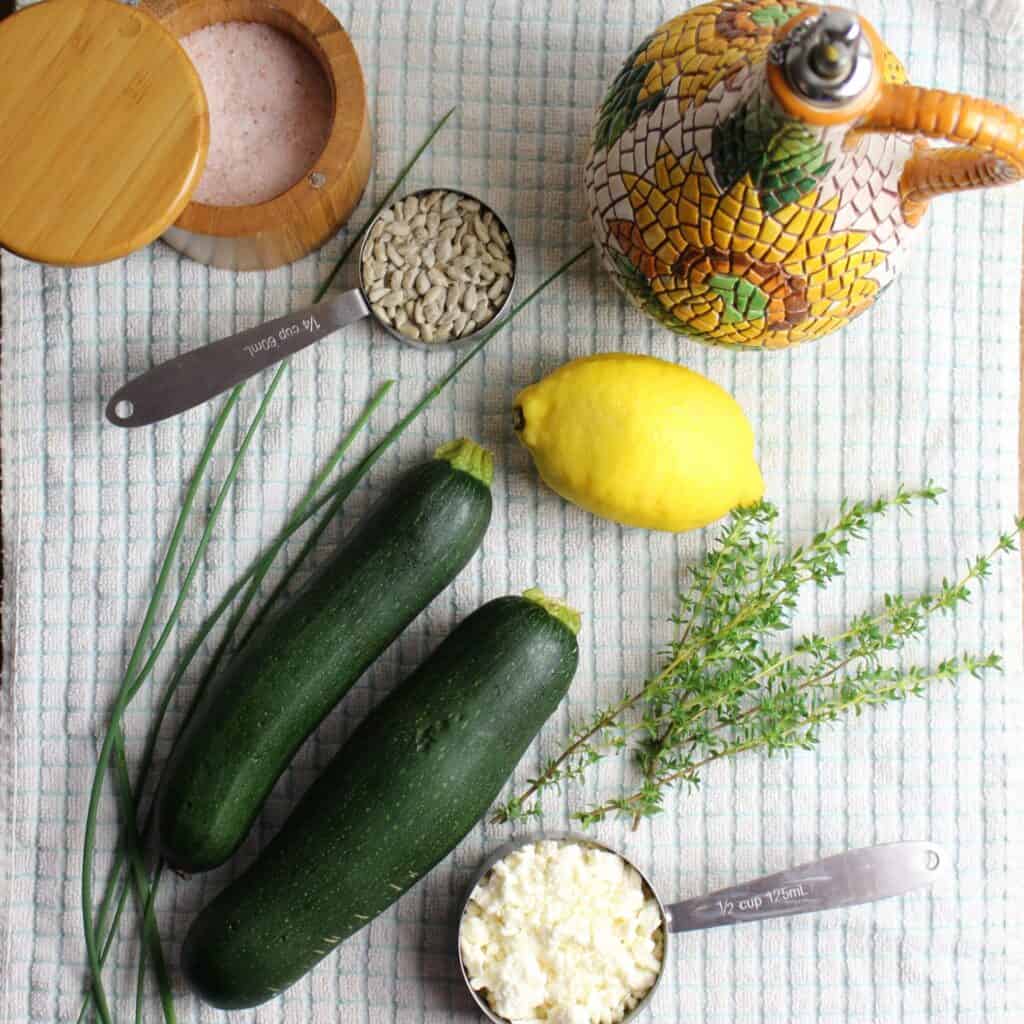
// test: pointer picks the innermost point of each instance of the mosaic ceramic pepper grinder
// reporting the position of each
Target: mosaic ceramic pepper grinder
(758, 166)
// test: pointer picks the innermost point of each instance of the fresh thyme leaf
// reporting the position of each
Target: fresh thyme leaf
(726, 686)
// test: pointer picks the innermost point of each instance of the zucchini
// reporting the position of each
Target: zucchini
(297, 666)
(414, 778)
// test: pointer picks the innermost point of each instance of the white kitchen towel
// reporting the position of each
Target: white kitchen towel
(925, 386)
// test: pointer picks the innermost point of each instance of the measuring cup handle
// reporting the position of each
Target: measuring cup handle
(857, 876)
(195, 377)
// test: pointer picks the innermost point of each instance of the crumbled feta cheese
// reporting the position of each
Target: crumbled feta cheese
(562, 933)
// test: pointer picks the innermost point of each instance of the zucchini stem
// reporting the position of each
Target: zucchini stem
(469, 457)
(567, 616)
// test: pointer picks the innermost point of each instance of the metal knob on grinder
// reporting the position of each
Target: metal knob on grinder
(827, 58)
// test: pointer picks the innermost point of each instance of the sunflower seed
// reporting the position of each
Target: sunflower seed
(438, 265)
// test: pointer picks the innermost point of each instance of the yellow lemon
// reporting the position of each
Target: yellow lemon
(641, 441)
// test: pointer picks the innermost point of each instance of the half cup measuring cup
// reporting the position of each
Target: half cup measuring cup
(843, 880)
(197, 376)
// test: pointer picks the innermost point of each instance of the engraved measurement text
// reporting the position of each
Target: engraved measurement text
(271, 341)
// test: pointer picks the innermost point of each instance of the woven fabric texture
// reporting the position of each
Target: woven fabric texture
(923, 387)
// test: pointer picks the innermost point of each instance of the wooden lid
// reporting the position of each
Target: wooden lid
(104, 131)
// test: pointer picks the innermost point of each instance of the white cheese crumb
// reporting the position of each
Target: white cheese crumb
(562, 933)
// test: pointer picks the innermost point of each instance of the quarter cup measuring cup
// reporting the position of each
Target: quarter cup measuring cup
(195, 377)
(843, 880)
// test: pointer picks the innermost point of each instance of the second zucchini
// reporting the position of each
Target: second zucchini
(298, 665)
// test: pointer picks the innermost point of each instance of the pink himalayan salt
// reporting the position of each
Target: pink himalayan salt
(270, 111)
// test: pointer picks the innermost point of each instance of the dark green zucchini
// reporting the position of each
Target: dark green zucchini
(413, 779)
(297, 667)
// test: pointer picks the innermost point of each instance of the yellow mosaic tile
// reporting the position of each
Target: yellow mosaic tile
(770, 231)
(644, 217)
(667, 253)
(677, 239)
(731, 206)
(654, 236)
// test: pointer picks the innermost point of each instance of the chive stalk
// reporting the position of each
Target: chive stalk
(113, 739)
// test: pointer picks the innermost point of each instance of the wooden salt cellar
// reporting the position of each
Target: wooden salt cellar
(104, 132)
(303, 218)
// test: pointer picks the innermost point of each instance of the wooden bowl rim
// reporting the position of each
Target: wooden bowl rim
(340, 61)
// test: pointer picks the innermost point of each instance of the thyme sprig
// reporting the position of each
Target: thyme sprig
(726, 686)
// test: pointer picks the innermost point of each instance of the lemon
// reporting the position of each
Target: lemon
(641, 441)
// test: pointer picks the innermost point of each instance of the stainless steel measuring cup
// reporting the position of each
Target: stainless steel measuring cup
(843, 880)
(197, 376)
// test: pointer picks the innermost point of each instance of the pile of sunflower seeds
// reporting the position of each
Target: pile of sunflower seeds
(437, 266)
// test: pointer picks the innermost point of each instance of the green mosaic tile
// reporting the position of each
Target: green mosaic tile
(742, 299)
(622, 106)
